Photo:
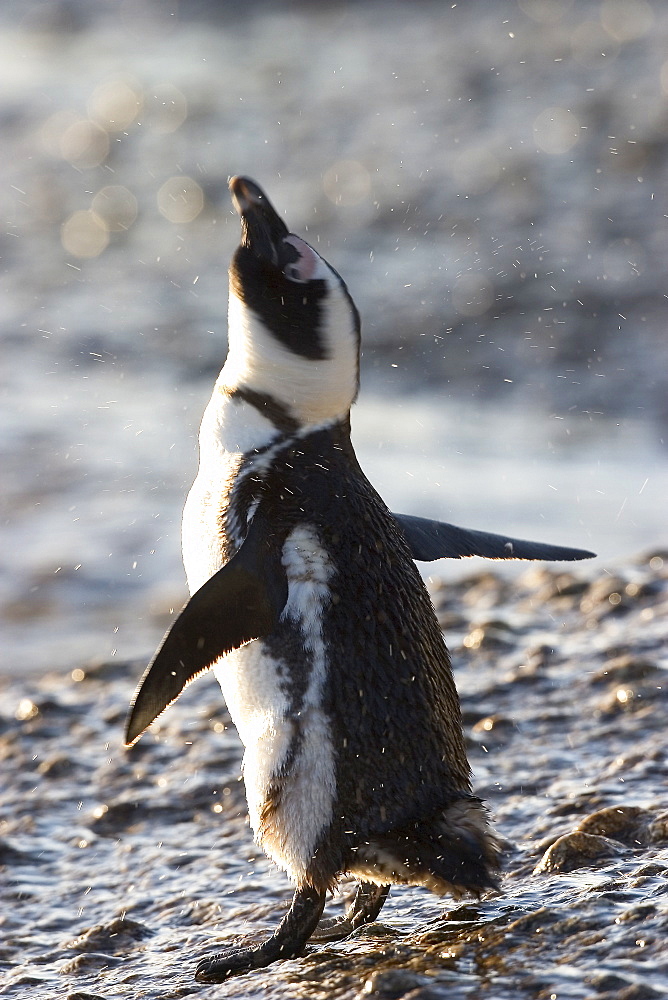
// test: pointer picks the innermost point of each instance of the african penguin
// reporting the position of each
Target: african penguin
(307, 604)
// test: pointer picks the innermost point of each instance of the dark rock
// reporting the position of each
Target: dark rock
(390, 984)
(630, 825)
(85, 996)
(89, 962)
(604, 982)
(117, 935)
(576, 850)
(627, 668)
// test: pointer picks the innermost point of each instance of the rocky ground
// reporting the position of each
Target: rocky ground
(120, 868)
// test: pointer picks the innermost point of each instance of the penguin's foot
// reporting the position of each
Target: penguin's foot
(287, 941)
(365, 907)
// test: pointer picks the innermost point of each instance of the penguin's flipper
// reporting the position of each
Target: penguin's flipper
(242, 601)
(430, 540)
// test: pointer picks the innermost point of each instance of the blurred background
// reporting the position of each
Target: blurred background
(491, 180)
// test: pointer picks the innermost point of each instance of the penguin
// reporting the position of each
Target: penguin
(308, 606)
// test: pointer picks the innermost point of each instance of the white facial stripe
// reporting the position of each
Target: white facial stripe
(313, 391)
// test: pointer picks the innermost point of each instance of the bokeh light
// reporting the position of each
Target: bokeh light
(664, 79)
(165, 108)
(545, 11)
(180, 199)
(626, 20)
(475, 170)
(115, 104)
(84, 144)
(472, 295)
(347, 182)
(592, 45)
(556, 130)
(84, 234)
(53, 129)
(116, 206)
(623, 259)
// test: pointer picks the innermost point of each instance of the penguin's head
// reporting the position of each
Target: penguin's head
(294, 331)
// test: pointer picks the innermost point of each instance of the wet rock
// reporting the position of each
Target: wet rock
(89, 962)
(630, 825)
(650, 870)
(656, 828)
(204, 912)
(10, 855)
(107, 670)
(537, 920)
(627, 668)
(494, 731)
(57, 766)
(488, 636)
(576, 850)
(451, 621)
(108, 820)
(376, 930)
(25, 980)
(434, 992)
(117, 935)
(579, 804)
(535, 662)
(635, 991)
(605, 982)
(85, 996)
(644, 590)
(630, 700)
(638, 913)
(485, 590)
(600, 592)
(563, 589)
(390, 984)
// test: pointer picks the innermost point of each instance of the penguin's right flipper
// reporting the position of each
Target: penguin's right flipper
(242, 601)
(429, 540)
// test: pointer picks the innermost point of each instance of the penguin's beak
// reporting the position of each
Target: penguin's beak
(262, 229)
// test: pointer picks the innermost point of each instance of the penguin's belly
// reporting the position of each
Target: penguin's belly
(273, 689)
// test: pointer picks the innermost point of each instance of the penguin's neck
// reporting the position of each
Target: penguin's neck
(308, 392)
(236, 424)
(241, 423)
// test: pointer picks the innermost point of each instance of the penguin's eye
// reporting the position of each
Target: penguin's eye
(292, 273)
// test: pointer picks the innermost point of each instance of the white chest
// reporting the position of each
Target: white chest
(230, 429)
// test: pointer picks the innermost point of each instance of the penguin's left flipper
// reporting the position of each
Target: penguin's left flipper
(241, 602)
(430, 540)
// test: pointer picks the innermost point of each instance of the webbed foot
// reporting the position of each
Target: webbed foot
(365, 907)
(287, 941)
